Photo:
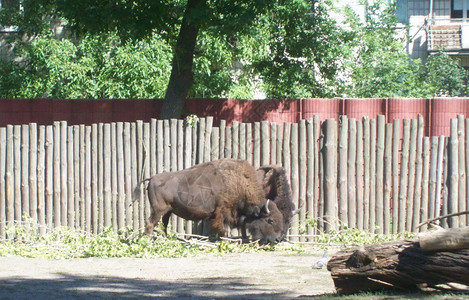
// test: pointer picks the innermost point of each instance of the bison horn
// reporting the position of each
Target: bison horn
(296, 211)
(266, 206)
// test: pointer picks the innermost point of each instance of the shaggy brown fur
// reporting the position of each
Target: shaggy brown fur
(223, 191)
(275, 184)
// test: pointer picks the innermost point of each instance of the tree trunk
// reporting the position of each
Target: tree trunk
(181, 78)
(403, 265)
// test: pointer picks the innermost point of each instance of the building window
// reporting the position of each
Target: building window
(459, 9)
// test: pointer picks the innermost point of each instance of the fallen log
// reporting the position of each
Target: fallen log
(403, 265)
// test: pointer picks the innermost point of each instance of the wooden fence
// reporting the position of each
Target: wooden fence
(355, 173)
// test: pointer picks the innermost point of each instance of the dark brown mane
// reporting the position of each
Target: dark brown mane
(277, 188)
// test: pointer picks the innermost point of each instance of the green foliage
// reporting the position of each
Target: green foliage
(353, 236)
(302, 52)
(285, 49)
(96, 67)
(445, 77)
(380, 66)
(64, 243)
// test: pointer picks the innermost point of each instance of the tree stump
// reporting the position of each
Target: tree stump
(405, 264)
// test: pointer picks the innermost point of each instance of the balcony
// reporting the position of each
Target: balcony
(450, 38)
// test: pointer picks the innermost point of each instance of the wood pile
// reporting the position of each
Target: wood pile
(436, 258)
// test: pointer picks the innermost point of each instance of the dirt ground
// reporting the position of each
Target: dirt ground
(251, 276)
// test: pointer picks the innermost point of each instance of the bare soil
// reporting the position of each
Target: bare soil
(251, 276)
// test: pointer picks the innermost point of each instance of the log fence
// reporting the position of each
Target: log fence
(363, 174)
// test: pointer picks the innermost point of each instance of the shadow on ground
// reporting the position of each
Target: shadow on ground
(66, 286)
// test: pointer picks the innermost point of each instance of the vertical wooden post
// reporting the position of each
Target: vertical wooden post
(418, 176)
(411, 179)
(100, 180)
(134, 174)
(265, 143)
(201, 140)
(279, 143)
(221, 144)
(462, 170)
(439, 175)
(3, 203)
(380, 137)
(294, 177)
(387, 179)
(351, 205)
(235, 139)
(330, 176)
(115, 173)
(71, 215)
(41, 168)
(33, 169)
(403, 179)
(302, 169)
(121, 194)
(56, 175)
(372, 221)
(242, 141)
(396, 137)
(320, 127)
(359, 180)
(94, 178)
(466, 143)
(126, 215)
(433, 174)
(453, 165)
(257, 145)
(107, 217)
(366, 167)
(9, 178)
(87, 186)
(310, 180)
(25, 171)
(273, 143)
(82, 151)
(215, 139)
(208, 134)
(344, 161)
(425, 181)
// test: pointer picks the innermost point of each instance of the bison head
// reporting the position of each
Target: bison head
(269, 227)
(276, 186)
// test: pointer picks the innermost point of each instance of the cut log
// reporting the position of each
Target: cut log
(400, 265)
(445, 239)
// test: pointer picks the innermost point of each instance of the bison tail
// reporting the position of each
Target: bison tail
(136, 192)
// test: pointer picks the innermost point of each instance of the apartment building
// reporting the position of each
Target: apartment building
(436, 25)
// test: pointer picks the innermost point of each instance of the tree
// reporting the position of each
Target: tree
(252, 32)
(94, 67)
(452, 83)
(380, 66)
(177, 21)
(305, 50)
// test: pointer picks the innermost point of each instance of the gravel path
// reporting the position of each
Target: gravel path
(250, 276)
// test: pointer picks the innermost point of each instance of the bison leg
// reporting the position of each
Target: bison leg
(218, 222)
(166, 221)
(153, 221)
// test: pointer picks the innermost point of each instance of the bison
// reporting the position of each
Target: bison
(275, 185)
(226, 191)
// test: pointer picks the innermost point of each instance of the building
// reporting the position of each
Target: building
(436, 25)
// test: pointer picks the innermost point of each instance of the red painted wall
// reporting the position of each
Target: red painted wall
(437, 112)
